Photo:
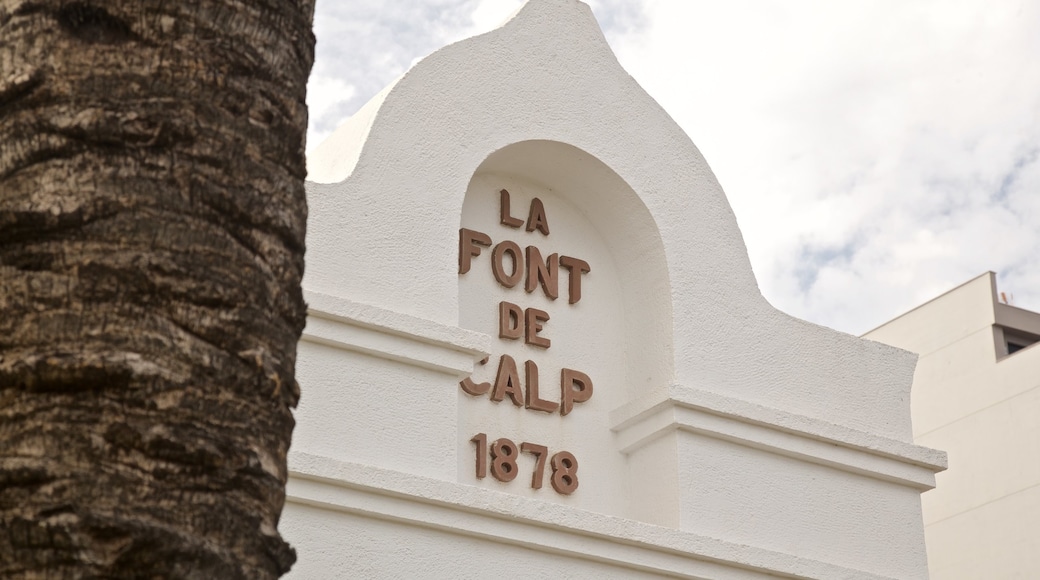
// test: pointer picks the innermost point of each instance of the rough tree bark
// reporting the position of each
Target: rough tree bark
(152, 217)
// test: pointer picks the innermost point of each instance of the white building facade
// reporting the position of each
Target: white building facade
(976, 395)
(536, 348)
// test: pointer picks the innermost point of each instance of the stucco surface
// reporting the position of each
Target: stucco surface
(755, 441)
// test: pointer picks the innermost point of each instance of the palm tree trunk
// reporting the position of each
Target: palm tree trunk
(152, 218)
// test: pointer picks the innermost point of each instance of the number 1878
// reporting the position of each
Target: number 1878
(503, 454)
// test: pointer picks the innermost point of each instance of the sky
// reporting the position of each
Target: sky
(876, 153)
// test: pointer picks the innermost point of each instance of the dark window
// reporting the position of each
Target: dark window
(1016, 340)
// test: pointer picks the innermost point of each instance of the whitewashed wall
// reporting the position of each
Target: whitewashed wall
(723, 438)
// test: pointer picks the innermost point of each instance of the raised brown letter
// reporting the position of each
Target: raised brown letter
(507, 382)
(548, 273)
(508, 220)
(534, 320)
(531, 399)
(510, 320)
(499, 268)
(575, 387)
(468, 248)
(577, 268)
(536, 219)
(475, 389)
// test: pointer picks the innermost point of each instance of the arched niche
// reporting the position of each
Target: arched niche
(618, 333)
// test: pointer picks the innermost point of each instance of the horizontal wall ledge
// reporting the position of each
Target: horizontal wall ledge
(714, 415)
(471, 511)
(352, 326)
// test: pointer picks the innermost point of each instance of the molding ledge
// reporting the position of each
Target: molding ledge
(356, 327)
(542, 526)
(805, 438)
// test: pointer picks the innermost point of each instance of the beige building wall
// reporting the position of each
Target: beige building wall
(976, 395)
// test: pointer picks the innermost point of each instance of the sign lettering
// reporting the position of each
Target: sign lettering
(510, 265)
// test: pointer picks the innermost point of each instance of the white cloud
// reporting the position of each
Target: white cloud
(490, 13)
(363, 45)
(862, 145)
(324, 93)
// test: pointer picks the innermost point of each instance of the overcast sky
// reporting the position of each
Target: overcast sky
(876, 152)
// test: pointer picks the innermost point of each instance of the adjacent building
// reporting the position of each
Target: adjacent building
(976, 395)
